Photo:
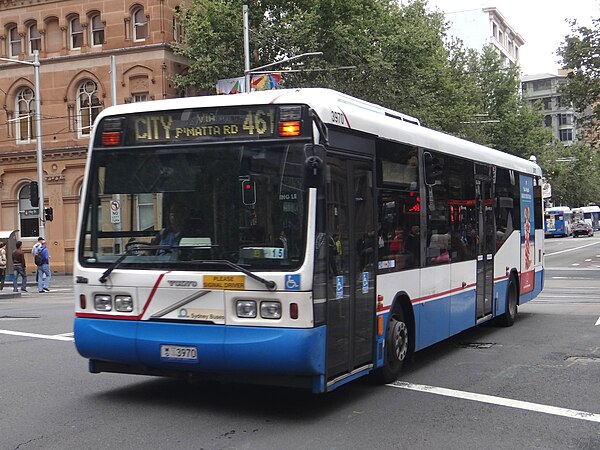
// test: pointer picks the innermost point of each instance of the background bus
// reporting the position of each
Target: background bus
(558, 221)
(296, 237)
(588, 214)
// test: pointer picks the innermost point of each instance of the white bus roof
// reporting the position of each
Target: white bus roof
(554, 209)
(335, 108)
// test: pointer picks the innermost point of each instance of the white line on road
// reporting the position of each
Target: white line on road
(571, 249)
(536, 407)
(598, 322)
(38, 336)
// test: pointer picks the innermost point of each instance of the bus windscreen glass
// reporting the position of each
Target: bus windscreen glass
(180, 207)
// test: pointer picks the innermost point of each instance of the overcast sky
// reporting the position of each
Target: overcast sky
(542, 23)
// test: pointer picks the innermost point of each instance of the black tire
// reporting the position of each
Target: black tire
(510, 313)
(397, 348)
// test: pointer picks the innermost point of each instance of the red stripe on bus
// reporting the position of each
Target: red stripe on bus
(122, 317)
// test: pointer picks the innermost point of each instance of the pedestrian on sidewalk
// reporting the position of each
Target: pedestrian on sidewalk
(34, 251)
(44, 270)
(18, 258)
(2, 264)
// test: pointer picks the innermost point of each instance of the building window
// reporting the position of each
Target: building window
(76, 31)
(177, 27)
(14, 42)
(28, 215)
(145, 211)
(97, 30)
(495, 30)
(548, 121)
(34, 38)
(547, 101)
(565, 135)
(140, 24)
(565, 119)
(501, 38)
(25, 110)
(88, 107)
(140, 97)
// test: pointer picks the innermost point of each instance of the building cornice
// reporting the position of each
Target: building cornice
(30, 156)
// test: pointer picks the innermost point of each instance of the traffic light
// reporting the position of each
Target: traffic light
(49, 214)
(34, 196)
(249, 192)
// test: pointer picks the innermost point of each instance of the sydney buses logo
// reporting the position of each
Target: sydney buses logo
(183, 283)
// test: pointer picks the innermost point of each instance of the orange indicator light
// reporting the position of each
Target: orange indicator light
(291, 128)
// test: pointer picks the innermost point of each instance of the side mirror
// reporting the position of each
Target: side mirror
(428, 168)
(314, 155)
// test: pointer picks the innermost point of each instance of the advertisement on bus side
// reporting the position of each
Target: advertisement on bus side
(527, 235)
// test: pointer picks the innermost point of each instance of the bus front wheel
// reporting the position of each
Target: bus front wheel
(396, 348)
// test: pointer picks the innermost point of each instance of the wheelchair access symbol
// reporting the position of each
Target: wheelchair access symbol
(339, 286)
(292, 282)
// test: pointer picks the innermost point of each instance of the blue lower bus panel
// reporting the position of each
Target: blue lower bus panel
(288, 356)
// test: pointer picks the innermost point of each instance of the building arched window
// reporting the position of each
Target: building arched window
(76, 33)
(24, 112)
(34, 39)
(96, 30)
(139, 24)
(88, 107)
(28, 215)
(14, 42)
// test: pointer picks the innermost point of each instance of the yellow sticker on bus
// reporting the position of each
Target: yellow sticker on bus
(233, 282)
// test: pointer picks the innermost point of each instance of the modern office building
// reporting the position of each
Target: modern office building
(75, 40)
(479, 27)
(559, 114)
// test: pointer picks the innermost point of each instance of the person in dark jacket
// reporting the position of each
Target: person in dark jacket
(18, 258)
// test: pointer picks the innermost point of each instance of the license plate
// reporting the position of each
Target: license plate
(178, 353)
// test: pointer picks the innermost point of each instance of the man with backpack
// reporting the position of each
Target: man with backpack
(34, 251)
(43, 271)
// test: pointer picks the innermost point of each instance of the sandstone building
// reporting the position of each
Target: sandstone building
(75, 39)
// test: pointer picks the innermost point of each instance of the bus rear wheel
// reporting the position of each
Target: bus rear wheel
(396, 348)
(510, 313)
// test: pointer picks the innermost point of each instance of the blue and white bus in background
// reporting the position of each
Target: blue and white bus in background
(588, 214)
(558, 221)
(320, 238)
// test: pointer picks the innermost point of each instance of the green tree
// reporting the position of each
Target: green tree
(580, 52)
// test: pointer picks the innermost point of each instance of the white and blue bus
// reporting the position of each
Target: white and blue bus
(558, 221)
(320, 238)
(588, 214)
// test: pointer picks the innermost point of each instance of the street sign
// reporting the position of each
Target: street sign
(115, 211)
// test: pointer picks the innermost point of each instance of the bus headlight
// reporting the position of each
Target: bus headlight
(270, 310)
(124, 303)
(102, 302)
(246, 308)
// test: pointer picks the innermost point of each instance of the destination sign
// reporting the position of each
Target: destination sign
(201, 124)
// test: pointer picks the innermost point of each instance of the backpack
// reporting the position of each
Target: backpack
(38, 258)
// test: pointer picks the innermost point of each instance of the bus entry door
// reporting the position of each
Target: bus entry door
(486, 234)
(351, 273)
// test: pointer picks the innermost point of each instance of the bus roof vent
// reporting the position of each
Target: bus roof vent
(404, 118)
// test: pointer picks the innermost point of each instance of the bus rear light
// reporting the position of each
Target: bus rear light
(290, 128)
(379, 325)
(82, 301)
(111, 138)
(246, 309)
(270, 310)
(102, 302)
(294, 310)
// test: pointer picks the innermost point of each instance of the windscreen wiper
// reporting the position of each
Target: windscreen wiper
(139, 246)
(270, 284)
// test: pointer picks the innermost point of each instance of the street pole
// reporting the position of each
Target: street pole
(38, 136)
(38, 143)
(246, 51)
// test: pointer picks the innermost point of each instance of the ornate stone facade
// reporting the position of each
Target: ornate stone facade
(75, 40)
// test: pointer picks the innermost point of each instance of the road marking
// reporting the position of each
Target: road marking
(57, 337)
(575, 264)
(597, 322)
(501, 401)
(588, 260)
(571, 249)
